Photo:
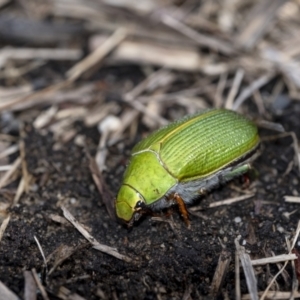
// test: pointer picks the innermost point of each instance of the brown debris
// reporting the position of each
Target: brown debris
(220, 273)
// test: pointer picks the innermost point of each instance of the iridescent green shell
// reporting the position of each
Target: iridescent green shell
(199, 145)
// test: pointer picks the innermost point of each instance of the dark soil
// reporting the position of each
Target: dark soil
(170, 260)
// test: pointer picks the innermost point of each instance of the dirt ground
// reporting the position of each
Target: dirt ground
(169, 260)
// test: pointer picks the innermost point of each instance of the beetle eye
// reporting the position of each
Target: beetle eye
(139, 205)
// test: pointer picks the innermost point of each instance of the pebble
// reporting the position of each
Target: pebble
(237, 220)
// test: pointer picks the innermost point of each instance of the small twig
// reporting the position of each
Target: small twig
(255, 85)
(8, 151)
(20, 191)
(285, 264)
(235, 87)
(228, 201)
(40, 286)
(34, 53)
(97, 56)
(41, 251)
(142, 108)
(274, 295)
(29, 286)
(6, 293)
(4, 226)
(237, 277)
(220, 89)
(9, 173)
(248, 270)
(96, 245)
(201, 39)
(292, 199)
(220, 273)
(295, 143)
(34, 97)
(273, 259)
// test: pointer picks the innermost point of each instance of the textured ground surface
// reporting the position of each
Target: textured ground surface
(171, 260)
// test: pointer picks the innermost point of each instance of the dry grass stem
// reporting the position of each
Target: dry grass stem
(66, 294)
(237, 276)
(41, 251)
(6, 293)
(224, 202)
(235, 87)
(292, 199)
(285, 263)
(39, 284)
(97, 56)
(8, 151)
(220, 273)
(33, 53)
(33, 98)
(30, 286)
(26, 176)
(248, 270)
(96, 245)
(203, 40)
(20, 190)
(185, 59)
(5, 179)
(4, 226)
(255, 85)
(274, 295)
(295, 144)
(273, 259)
(259, 18)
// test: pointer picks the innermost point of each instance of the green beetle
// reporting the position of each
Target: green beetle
(181, 161)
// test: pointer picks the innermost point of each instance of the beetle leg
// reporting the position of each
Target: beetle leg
(182, 209)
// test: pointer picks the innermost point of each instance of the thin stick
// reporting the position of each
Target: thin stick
(201, 39)
(25, 172)
(274, 295)
(6, 293)
(220, 89)
(3, 226)
(9, 173)
(283, 267)
(255, 85)
(237, 277)
(30, 286)
(41, 251)
(220, 273)
(8, 151)
(40, 286)
(235, 87)
(96, 245)
(20, 191)
(273, 259)
(33, 53)
(292, 199)
(248, 270)
(228, 201)
(295, 143)
(97, 56)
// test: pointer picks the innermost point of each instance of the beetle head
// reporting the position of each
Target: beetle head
(129, 204)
